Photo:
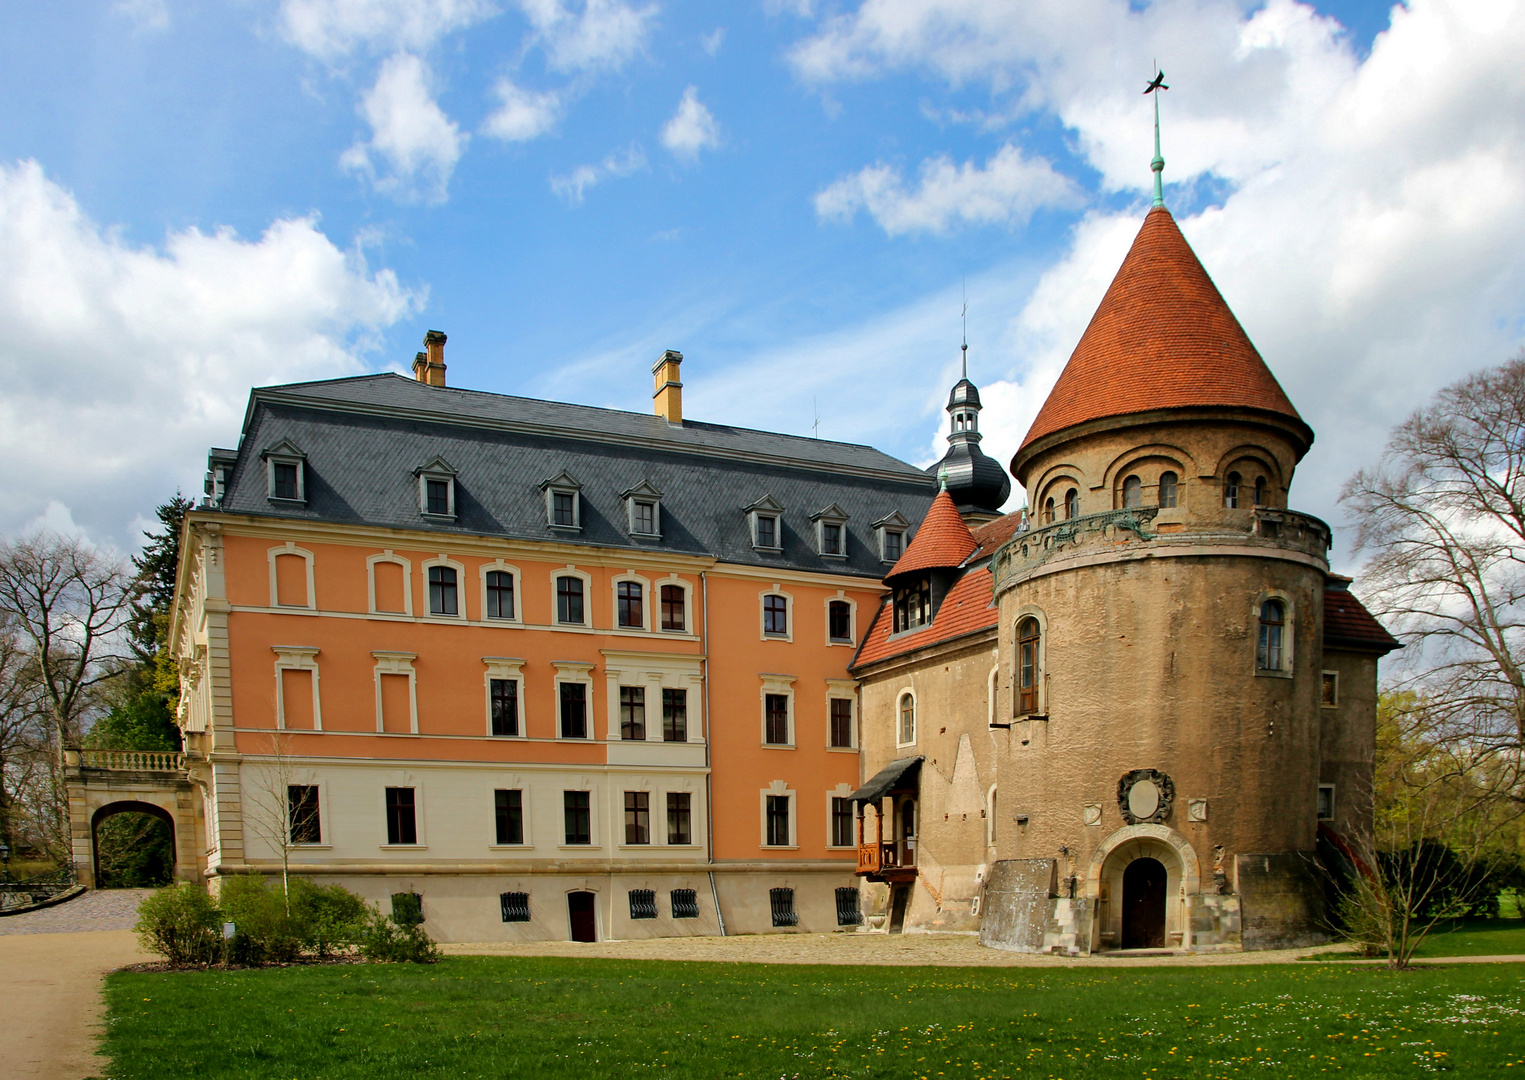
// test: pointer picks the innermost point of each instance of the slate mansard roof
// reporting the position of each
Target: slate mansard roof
(364, 438)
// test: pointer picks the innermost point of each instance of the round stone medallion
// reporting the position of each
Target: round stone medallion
(1144, 796)
(1144, 799)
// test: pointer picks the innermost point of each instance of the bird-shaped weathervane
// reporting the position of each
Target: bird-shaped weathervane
(1158, 164)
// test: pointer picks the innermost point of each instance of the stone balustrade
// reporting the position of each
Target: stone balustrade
(168, 761)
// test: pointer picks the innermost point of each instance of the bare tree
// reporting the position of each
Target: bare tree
(268, 811)
(24, 742)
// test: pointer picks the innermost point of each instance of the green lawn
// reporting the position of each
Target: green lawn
(510, 1017)
(1463, 937)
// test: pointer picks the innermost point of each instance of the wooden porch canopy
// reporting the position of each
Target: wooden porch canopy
(900, 773)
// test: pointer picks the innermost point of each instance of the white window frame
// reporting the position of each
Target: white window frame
(643, 493)
(388, 556)
(894, 522)
(595, 840)
(510, 783)
(779, 787)
(422, 838)
(562, 484)
(646, 596)
(460, 589)
(655, 804)
(775, 684)
(900, 741)
(841, 791)
(395, 663)
(296, 658)
(290, 548)
(501, 567)
(587, 599)
(762, 616)
(654, 672)
(688, 606)
(841, 596)
(830, 515)
(843, 690)
(695, 810)
(769, 507)
(285, 452)
(436, 468)
(504, 667)
(574, 671)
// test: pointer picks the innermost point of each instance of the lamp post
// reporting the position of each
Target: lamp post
(5, 858)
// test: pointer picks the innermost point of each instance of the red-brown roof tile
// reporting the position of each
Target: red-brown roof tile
(1348, 625)
(968, 607)
(993, 534)
(1163, 338)
(942, 542)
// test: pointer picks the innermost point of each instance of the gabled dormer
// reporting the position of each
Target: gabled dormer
(830, 531)
(765, 520)
(285, 472)
(890, 534)
(643, 510)
(436, 489)
(563, 502)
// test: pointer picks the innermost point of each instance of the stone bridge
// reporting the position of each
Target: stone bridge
(103, 783)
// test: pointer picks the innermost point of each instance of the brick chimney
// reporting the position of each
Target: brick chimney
(668, 396)
(429, 366)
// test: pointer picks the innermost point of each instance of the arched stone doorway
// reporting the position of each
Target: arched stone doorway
(129, 806)
(104, 783)
(1143, 904)
(1140, 878)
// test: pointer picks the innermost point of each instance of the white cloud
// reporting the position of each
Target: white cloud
(1006, 191)
(691, 129)
(331, 29)
(592, 35)
(410, 131)
(522, 114)
(145, 14)
(620, 163)
(122, 364)
(1371, 236)
(712, 41)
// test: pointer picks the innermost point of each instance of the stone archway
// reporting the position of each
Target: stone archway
(103, 783)
(1105, 882)
(126, 806)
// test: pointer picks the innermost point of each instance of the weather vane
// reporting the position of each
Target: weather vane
(964, 348)
(1158, 164)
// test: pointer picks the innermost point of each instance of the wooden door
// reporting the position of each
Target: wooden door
(1144, 904)
(580, 914)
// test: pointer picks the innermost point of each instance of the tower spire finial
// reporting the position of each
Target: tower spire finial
(964, 316)
(1158, 164)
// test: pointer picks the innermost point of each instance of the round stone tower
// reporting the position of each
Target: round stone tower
(1161, 630)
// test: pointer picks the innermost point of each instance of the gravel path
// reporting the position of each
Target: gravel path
(106, 909)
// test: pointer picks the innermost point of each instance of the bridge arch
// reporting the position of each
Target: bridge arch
(104, 783)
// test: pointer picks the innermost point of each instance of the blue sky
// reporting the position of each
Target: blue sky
(197, 197)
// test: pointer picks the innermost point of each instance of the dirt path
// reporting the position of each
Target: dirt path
(51, 965)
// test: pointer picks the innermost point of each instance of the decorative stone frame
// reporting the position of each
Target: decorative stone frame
(587, 598)
(1040, 673)
(852, 618)
(388, 556)
(444, 560)
(504, 667)
(595, 818)
(907, 692)
(1167, 793)
(1056, 482)
(654, 672)
(841, 791)
(643, 493)
(779, 787)
(893, 522)
(844, 690)
(767, 506)
(1239, 460)
(296, 658)
(574, 671)
(775, 684)
(501, 567)
(647, 597)
(396, 663)
(514, 782)
(285, 452)
(762, 616)
(1148, 463)
(831, 514)
(407, 780)
(1288, 667)
(563, 483)
(1182, 868)
(290, 549)
(437, 469)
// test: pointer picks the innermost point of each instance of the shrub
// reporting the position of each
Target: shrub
(327, 917)
(386, 940)
(265, 932)
(407, 909)
(181, 924)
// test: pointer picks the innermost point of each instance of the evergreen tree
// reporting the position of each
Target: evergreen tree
(156, 568)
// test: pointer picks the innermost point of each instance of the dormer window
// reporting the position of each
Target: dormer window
(831, 531)
(563, 502)
(913, 605)
(891, 533)
(286, 473)
(436, 488)
(765, 517)
(644, 504)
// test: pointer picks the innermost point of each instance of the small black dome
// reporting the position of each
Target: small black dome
(976, 482)
(964, 393)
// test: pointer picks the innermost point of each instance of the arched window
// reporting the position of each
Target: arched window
(1133, 492)
(1048, 511)
(907, 720)
(1231, 491)
(1260, 491)
(1273, 624)
(1027, 666)
(1167, 489)
(1071, 503)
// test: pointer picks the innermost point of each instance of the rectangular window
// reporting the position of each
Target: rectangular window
(632, 609)
(778, 821)
(500, 595)
(782, 903)
(437, 496)
(775, 615)
(643, 904)
(569, 600)
(285, 479)
(674, 715)
(776, 719)
(574, 710)
(839, 618)
(894, 545)
(516, 906)
(1331, 690)
(505, 706)
(442, 598)
(841, 822)
(646, 517)
(841, 723)
(302, 808)
(637, 817)
(685, 904)
(679, 819)
(402, 826)
(564, 509)
(767, 531)
(1326, 802)
(577, 807)
(831, 538)
(849, 910)
(633, 712)
(674, 617)
(508, 811)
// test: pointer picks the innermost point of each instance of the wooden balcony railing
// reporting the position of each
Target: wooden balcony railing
(877, 858)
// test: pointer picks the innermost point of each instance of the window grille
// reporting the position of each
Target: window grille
(778, 821)
(516, 906)
(643, 904)
(1133, 492)
(437, 497)
(500, 595)
(574, 710)
(646, 517)
(782, 903)
(841, 822)
(767, 531)
(402, 827)
(894, 545)
(831, 538)
(907, 720)
(685, 904)
(776, 719)
(1027, 678)
(285, 480)
(579, 818)
(633, 712)
(637, 817)
(1168, 486)
(1273, 619)
(840, 620)
(848, 911)
(564, 509)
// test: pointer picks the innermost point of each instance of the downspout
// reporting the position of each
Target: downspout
(709, 734)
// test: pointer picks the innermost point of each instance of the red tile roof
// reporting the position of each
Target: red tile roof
(1163, 338)
(1347, 623)
(942, 542)
(993, 534)
(968, 607)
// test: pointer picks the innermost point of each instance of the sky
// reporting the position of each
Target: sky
(200, 196)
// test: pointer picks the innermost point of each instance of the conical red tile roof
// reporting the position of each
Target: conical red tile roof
(1163, 338)
(942, 542)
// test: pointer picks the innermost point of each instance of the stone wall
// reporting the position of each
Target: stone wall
(1282, 900)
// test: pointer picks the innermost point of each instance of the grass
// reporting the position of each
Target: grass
(1462, 937)
(504, 1017)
